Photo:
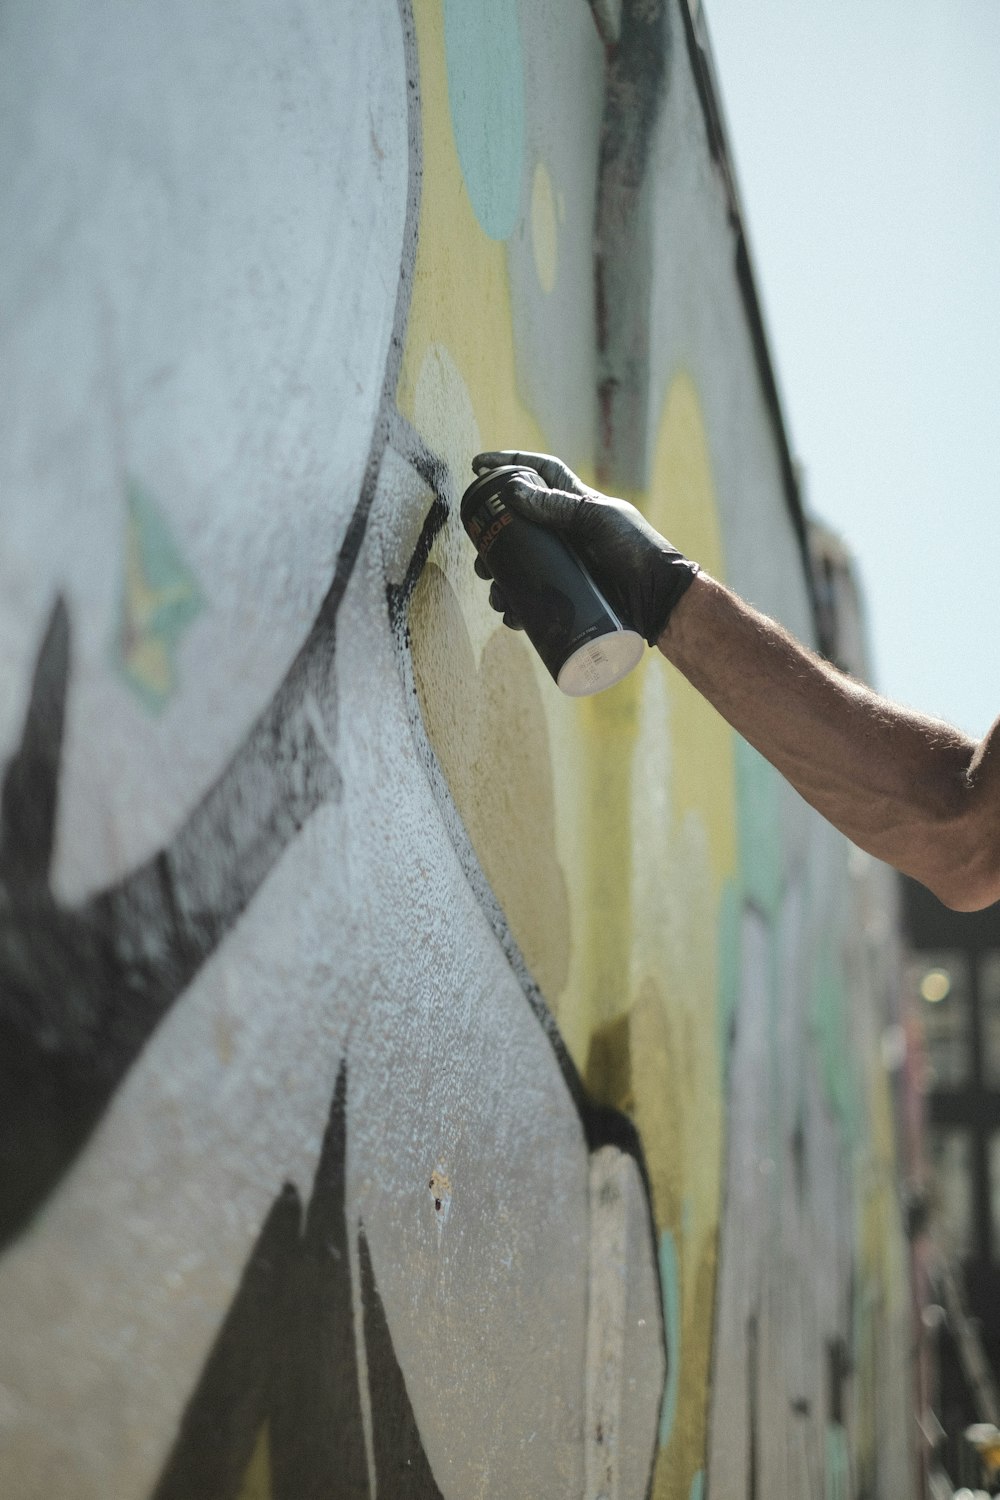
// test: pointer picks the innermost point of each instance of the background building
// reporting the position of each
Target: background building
(954, 981)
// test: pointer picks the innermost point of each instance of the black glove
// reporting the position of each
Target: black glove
(639, 573)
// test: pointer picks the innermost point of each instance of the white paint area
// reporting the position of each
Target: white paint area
(200, 240)
(625, 1356)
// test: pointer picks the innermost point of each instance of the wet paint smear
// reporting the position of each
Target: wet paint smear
(486, 97)
(160, 599)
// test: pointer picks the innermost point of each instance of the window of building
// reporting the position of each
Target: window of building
(989, 1001)
(950, 1152)
(941, 982)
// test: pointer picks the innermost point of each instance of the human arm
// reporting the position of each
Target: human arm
(910, 790)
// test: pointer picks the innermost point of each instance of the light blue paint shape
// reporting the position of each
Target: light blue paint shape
(486, 95)
(670, 1290)
(698, 1486)
(159, 600)
(758, 790)
(838, 1463)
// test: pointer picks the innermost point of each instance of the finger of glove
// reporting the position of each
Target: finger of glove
(557, 510)
(557, 475)
(498, 601)
(482, 571)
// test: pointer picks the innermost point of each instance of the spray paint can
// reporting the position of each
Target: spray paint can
(567, 619)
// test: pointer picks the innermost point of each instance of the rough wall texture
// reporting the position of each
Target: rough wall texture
(413, 1083)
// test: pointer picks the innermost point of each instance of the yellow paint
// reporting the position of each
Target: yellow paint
(145, 654)
(224, 1034)
(442, 411)
(461, 289)
(153, 612)
(481, 698)
(683, 833)
(481, 692)
(609, 722)
(257, 1479)
(148, 661)
(488, 727)
(544, 228)
(682, 506)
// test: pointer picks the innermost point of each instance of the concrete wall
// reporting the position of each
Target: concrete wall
(414, 1083)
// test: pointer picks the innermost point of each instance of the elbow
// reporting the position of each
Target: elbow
(965, 895)
(961, 844)
(967, 879)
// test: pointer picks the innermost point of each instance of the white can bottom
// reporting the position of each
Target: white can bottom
(600, 663)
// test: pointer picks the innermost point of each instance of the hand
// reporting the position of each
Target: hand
(640, 574)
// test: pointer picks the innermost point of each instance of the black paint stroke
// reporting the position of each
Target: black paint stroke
(82, 989)
(401, 1467)
(398, 594)
(285, 1363)
(233, 1400)
(635, 76)
(753, 1406)
(318, 1450)
(28, 802)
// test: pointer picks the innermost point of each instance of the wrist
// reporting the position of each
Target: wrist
(678, 639)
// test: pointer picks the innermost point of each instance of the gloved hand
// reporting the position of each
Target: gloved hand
(640, 574)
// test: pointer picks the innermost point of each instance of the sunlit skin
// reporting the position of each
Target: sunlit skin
(913, 791)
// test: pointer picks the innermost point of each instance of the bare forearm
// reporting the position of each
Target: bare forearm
(910, 790)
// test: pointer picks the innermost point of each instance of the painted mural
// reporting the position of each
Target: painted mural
(414, 1083)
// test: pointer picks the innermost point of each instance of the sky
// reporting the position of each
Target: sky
(866, 140)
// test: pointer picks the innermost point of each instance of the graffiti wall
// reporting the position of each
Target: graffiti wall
(414, 1083)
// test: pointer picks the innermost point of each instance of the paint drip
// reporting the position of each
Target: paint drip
(583, 643)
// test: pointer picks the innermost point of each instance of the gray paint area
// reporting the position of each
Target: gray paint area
(781, 1305)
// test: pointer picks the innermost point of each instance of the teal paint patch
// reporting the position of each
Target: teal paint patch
(758, 789)
(670, 1290)
(160, 598)
(698, 1486)
(486, 97)
(728, 968)
(838, 1464)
